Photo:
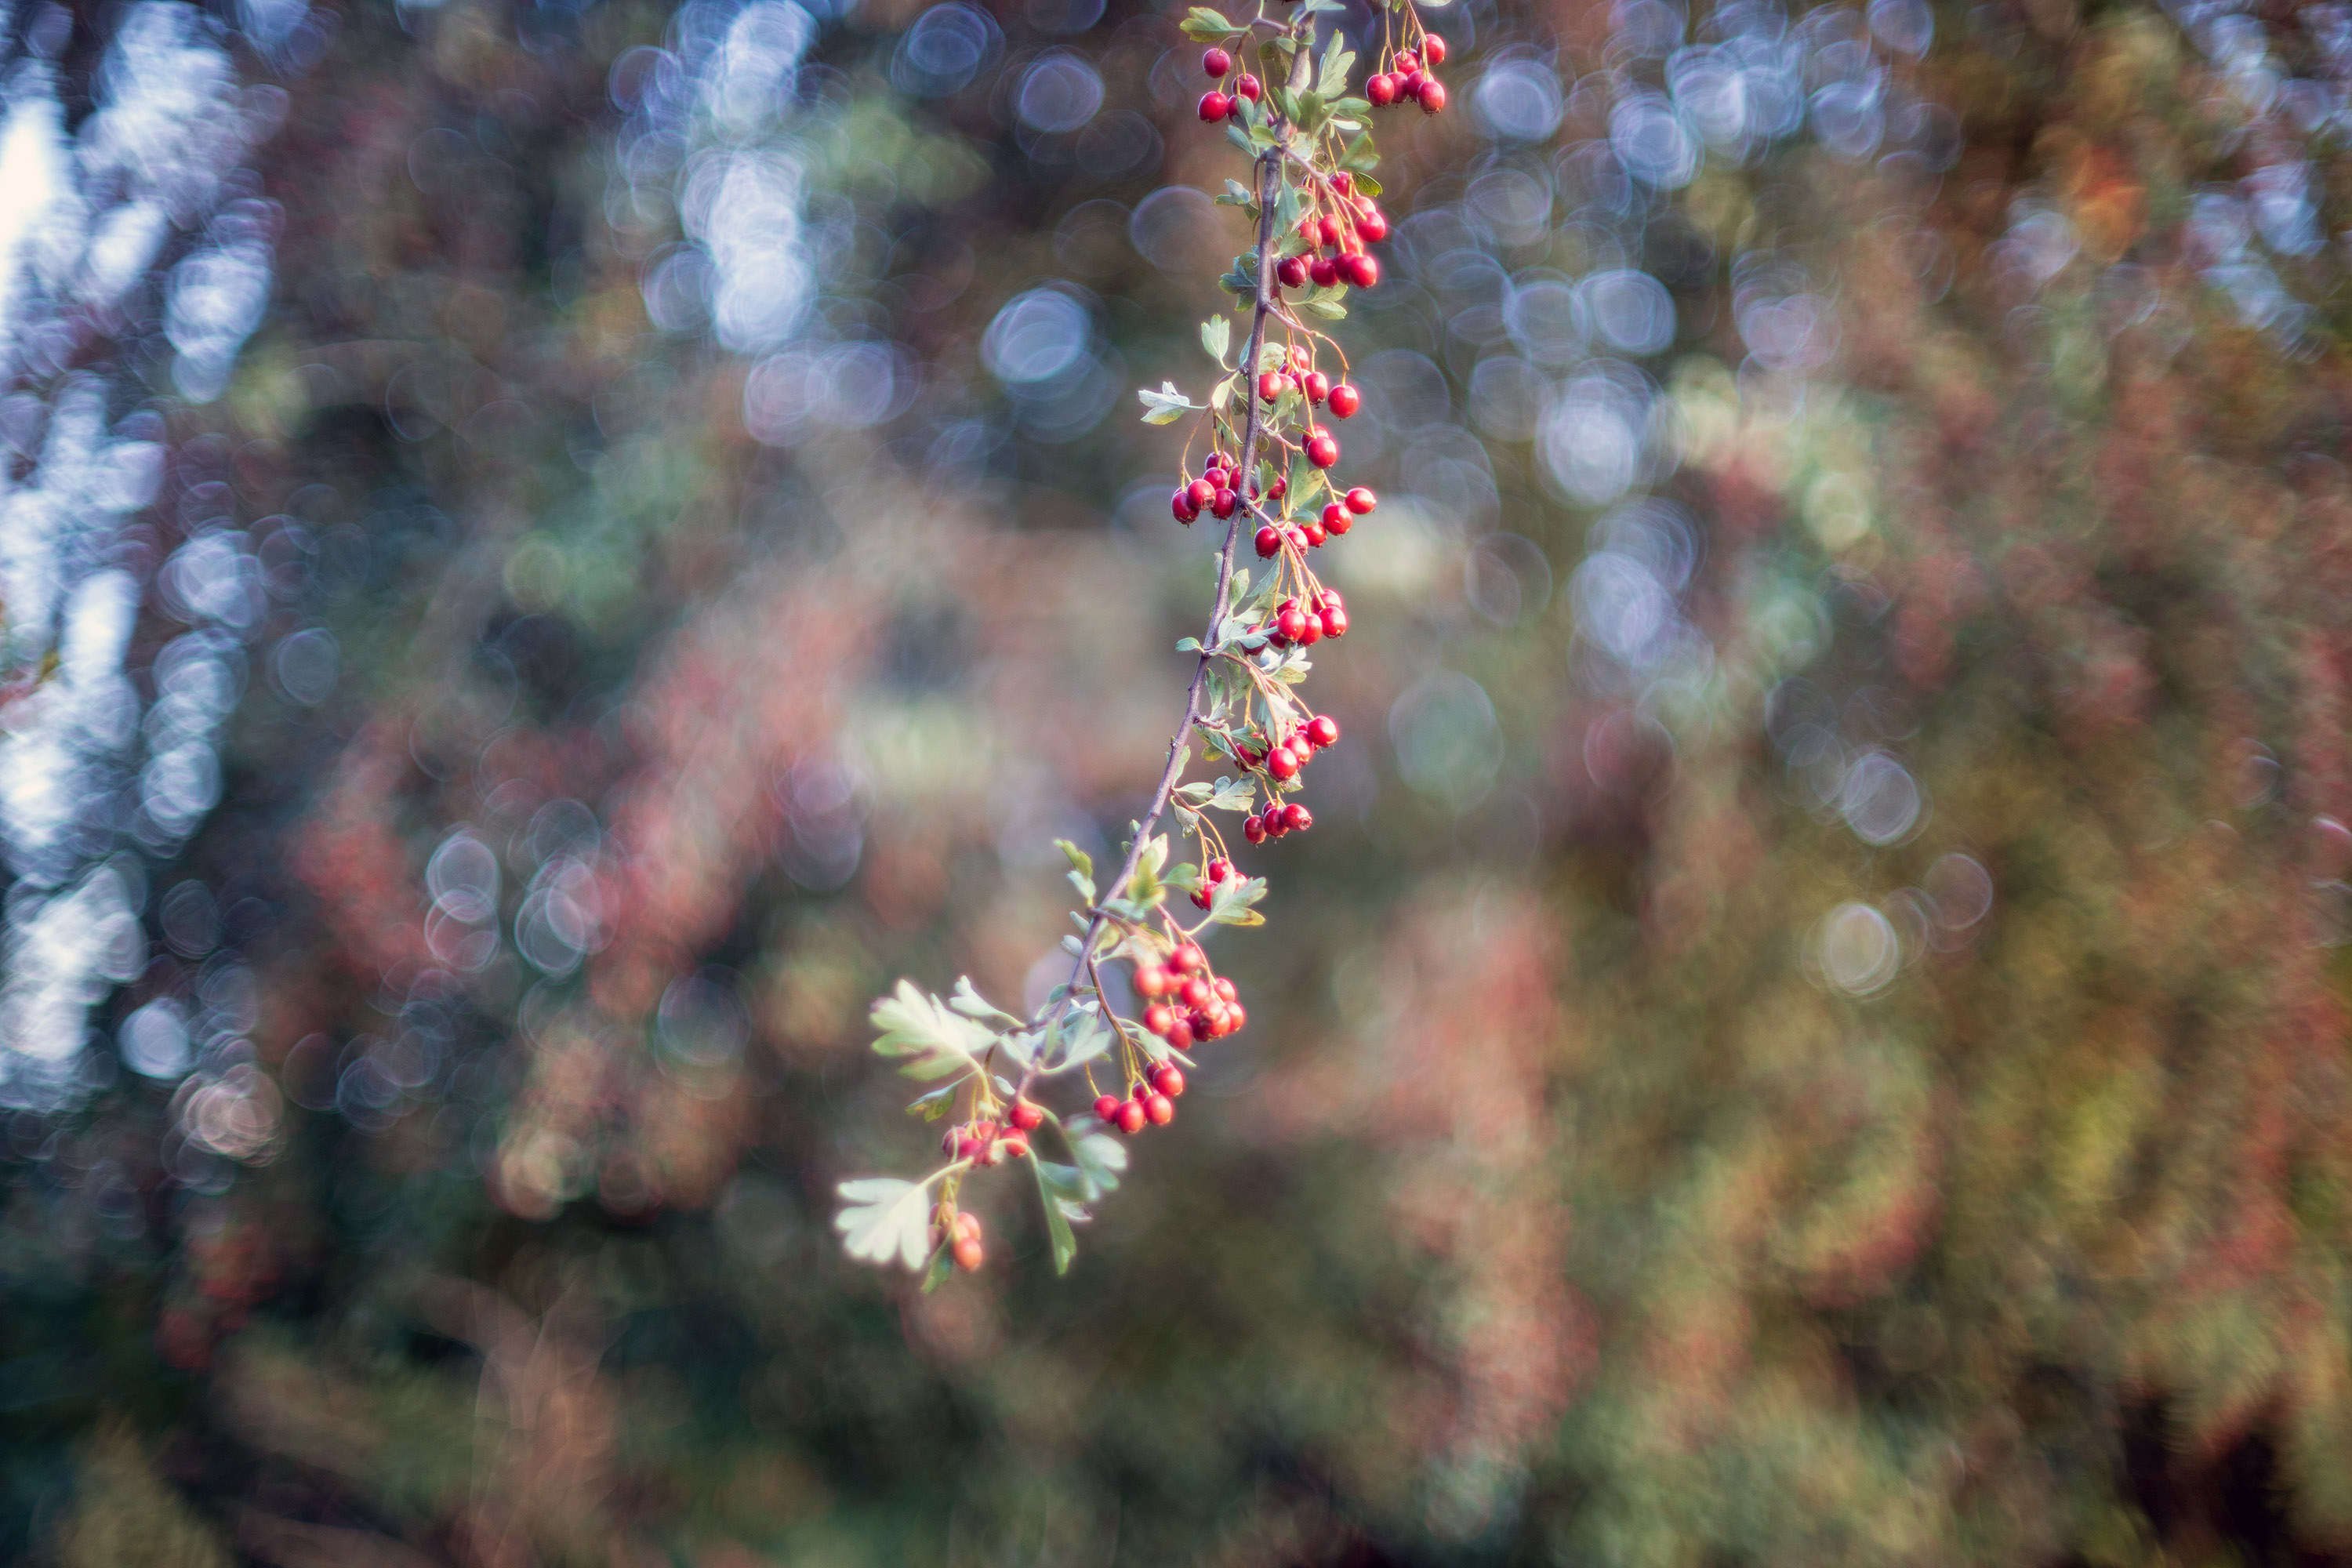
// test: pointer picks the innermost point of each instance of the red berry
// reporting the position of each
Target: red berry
(1235, 109)
(1300, 359)
(1315, 532)
(1407, 60)
(1346, 400)
(1130, 1116)
(1167, 1079)
(1282, 762)
(1410, 83)
(1433, 49)
(1318, 388)
(1360, 501)
(1336, 519)
(1215, 106)
(1335, 622)
(1372, 224)
(1222, 507)
(1331, 230)
(1381, 88)
(1180, 1033)
(1276, 490)
(1106, 1107)
(1205, 1026)
(1323, 730)
(1180, 503)
(1290, 621)
(1226, 991)
(1220, 869)
(1360, 270)
(1196, 993)
(1432, 95)
(1309, 635)
(1199, 899)
(1158, 1017)
(1254, 830)
(1203, 491)
(1246, 86)
(1187, 958)
(1216, 62)
(1026, 1115)
(1297, 817)
(1323, 451)
(1324, 271)
(968, 1254)
(1012, 1145)
(1269, 386)
(1343, 183)
(1237, 1016)
(1160, 1109)
(1298, 537)
(1152, 980)
(1269, 540)
(1291, 271)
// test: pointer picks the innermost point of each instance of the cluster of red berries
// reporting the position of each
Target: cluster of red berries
(1285, 757)
(1218, 490)
(1322, 616)
(984, 1143)
(1152, 1102)
(1185, 1002)
(1411, 78)
(1338, 518)
(1356, 222)
(1216, 105)
(1278, 818)
(1312, 385)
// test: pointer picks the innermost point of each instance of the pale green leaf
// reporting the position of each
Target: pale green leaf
(1166, 405)
(884, 1221)
(1057, 1222)
(1217, 337)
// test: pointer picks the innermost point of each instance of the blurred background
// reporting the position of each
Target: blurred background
(550, 550)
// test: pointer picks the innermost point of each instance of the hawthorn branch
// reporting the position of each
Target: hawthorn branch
(1268, 175)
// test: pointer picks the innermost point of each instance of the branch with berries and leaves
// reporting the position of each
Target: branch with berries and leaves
(1266, 473)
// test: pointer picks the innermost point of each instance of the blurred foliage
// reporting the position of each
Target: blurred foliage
(1640, 1154)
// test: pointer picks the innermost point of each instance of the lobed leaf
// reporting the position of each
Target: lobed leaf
(886, 1219)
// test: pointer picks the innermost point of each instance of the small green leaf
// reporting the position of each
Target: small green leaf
(1166, 405)
(921, 1026)
(885, 1220)
(1089, 1042)
(1230, 905)
(1203, 25)
(936, 1103)
(1329, 309)
(942, 1264)
(1058, 1223)
(1331, 79)
(1100, 1157)
(1217, 337)
(967, 1000)
(1368, 186)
